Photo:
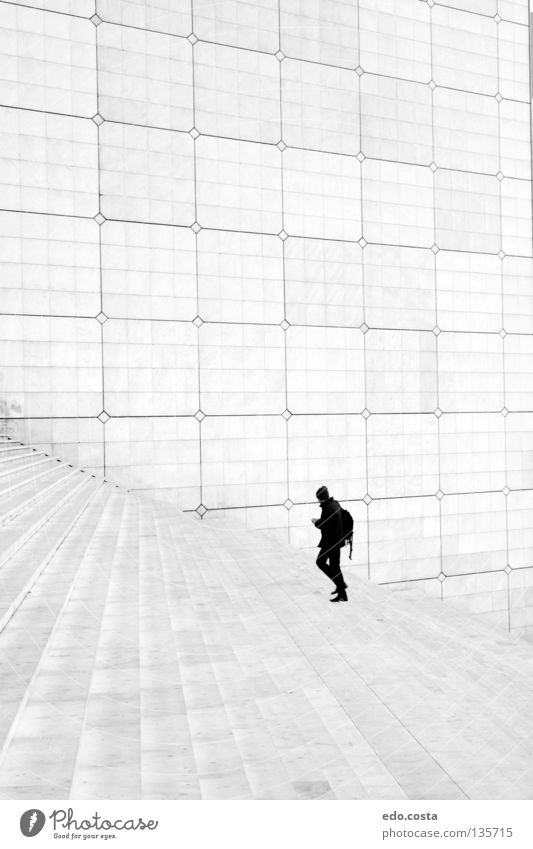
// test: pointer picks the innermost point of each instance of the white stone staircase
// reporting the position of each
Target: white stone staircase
(147, 654)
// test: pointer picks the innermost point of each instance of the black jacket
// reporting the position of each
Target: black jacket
(330, 524)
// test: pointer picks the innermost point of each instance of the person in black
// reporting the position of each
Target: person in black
(331, 542)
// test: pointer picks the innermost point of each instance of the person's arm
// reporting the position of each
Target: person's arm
(326, 514)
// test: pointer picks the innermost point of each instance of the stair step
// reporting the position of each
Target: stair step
(301, 613)
(24, 500)
(49, 640)
(166, 744)
(156, 656)
(15, 535)
(14, 450)
(31, 482)
(241, 674)
(7, 477)
(28, 560)
(108, 756)
(19, 460)
(5, 462)
(207, 699)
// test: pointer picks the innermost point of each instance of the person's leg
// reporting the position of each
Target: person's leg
(336, 572)
(322, 563)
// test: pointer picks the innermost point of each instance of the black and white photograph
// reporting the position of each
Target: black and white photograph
(266, 422)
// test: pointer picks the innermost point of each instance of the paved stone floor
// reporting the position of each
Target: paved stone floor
(147, 654)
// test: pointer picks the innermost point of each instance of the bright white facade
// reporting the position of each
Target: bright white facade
(249, 248)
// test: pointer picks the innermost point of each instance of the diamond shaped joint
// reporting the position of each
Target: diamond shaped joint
(99, 218)
(195, 227)
(199, 416)
(359, 71)
(366, 413)
(96, 20)
(367, 499)
(497, 18)
(97, 119)
(194, 133)
(102, 317)
(435, 249)
(360, 156)
(499, 176)
(201, 510)
(198, 321)
(501, 254)
(498, 97)
(279, 55)
(508, 569)
(364, 327)
(436, 330)
(284, 324)
(281, 144)
(441, 577)
(103, 417)
(506, 490)
(283, 235)
(504, 411)
(286, 414)
(437, 412)
(432, 85)
(192, 38)
(288, 504)
(433, 166)
(439, 494)
(362, 241)
(503, 333)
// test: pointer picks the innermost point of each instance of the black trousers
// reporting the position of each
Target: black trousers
(329, 560)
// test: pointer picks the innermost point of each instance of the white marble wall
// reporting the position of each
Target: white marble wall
(253, 246)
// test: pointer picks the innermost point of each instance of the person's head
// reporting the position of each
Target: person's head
(322, 493)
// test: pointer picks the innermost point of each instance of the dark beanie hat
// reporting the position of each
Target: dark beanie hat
(322, 493)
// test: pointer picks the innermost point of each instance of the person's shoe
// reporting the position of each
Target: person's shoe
(341, 597)
(335, 591)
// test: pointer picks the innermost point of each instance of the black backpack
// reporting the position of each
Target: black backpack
(347, 529)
